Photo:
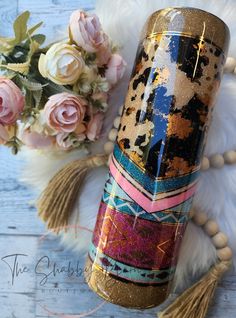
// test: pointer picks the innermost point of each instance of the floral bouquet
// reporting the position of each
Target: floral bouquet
(56, 96)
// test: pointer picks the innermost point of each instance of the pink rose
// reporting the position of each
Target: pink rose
(4, 136)
(104, 52)
(86, 31)
(11, 101)
(95, 126)
(115, 69)
(36, 140)
(64, 112)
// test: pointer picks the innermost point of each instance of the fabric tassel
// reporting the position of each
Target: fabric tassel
(57, 200)
(194, 302)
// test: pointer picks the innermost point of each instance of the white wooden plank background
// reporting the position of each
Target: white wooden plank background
(20, 229)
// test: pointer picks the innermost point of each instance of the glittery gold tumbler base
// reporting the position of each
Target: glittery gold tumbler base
(124, 293)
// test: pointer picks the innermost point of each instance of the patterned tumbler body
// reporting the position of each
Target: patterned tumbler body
(155, 165)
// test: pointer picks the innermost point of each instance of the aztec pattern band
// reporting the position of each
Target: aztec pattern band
(154, 168)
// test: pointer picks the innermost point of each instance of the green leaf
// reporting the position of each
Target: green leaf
(20, 27)
(34, 91)
(33, 48)
(37, 95)
(39, 38)
(34, 28)
(53, 88)
(14, 143)
(33, 94)
(22, 68)
(5, 45)
(28, 100)
(32, 86)
(21, 33)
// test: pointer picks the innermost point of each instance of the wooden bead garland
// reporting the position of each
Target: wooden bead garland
(200, 218)
(230, 157)
(205, 164)
(225, 253)
(217, 161)
(112, 134)
(120, 110)
(211, 227)
(116, 122)
(108, 147)
(219, 239)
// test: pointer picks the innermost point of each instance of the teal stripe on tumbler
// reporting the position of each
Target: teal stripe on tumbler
(128, 272)
(150, 184)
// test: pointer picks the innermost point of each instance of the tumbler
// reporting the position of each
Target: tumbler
(154, 168)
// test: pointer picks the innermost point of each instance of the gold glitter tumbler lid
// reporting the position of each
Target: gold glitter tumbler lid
(189, 21)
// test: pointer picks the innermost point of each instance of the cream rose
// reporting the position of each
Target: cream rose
(64, 112)
(62, 64)
(86, 31)
(11, 101)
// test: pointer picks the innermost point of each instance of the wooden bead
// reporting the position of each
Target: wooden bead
(230, 157)
(225, 254)
(116, 122)
(211, 227)
(205, 165)
(220, 240)
(112, 134)
(108, 147)
(120, 110)
(200, 218)
(230, 65)
(217, 161)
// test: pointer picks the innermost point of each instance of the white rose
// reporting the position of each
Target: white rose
(62, 64)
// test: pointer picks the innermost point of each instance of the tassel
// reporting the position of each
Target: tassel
(57, 200)
(194, 302)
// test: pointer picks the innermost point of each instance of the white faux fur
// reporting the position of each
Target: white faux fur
(216, 195)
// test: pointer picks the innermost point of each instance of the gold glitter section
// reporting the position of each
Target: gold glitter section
(123, 293)
(191, 22)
